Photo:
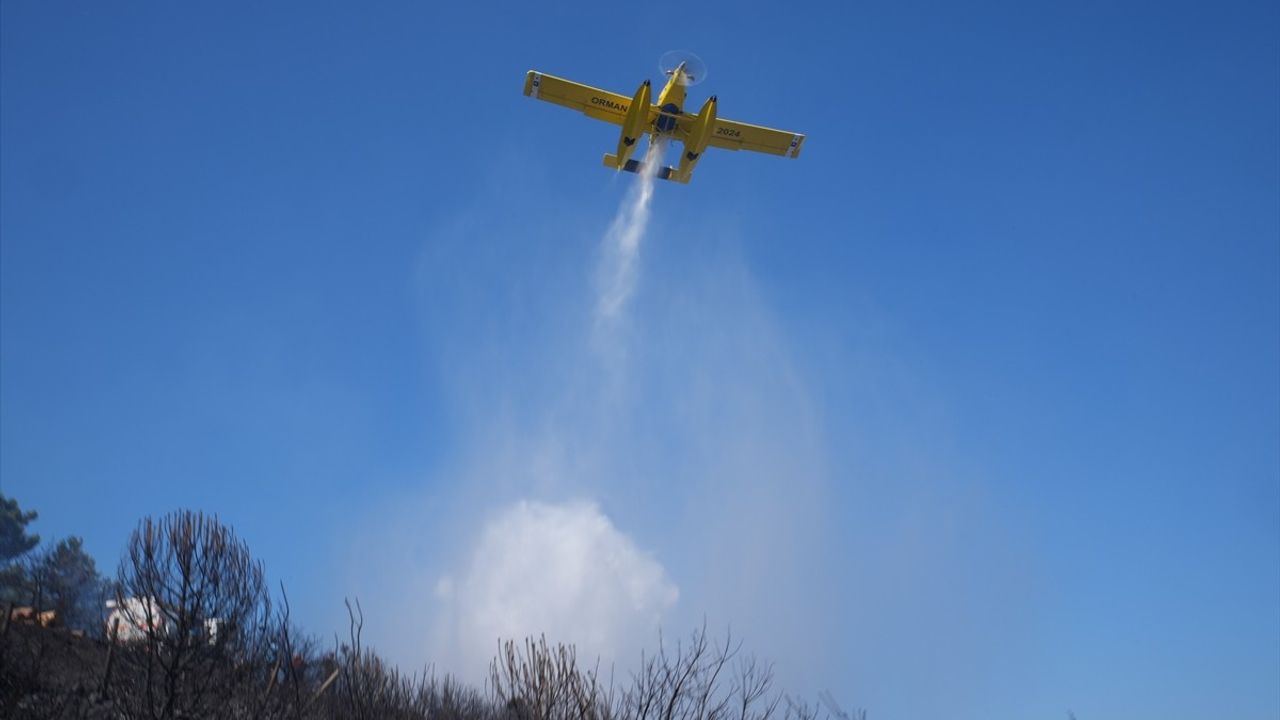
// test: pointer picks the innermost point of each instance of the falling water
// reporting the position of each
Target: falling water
(617, 270)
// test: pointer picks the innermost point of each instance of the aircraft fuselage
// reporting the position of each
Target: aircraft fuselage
(663, 118)
(671, 102)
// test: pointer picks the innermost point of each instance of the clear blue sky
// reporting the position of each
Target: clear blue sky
(271, 261)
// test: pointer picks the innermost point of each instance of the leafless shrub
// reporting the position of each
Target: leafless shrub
(206, 641)
(697, 679)
(837, 711)
(359, 685)
(207, 627)
(540, 682)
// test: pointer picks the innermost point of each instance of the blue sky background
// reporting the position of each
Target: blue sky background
(1014, 316)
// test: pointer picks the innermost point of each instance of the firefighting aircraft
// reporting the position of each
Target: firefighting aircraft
(664, 119)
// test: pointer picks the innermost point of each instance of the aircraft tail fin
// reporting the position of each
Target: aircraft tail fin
(665, 172)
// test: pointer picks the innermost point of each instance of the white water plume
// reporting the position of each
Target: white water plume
(616, 276)
(557, 569)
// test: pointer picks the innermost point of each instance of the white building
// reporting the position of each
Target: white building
(136, 616)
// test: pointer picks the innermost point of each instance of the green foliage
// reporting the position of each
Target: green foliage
(14, 540)
(67, 579)
(63, 578)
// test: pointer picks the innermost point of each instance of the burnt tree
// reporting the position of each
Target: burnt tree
(203, 613)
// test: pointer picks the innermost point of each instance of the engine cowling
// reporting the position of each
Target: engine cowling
(699, 135)
(633, 125)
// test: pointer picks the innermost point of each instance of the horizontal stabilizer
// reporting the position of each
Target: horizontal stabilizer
(665, 172)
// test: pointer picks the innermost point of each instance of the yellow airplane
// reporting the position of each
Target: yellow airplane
(664, 119)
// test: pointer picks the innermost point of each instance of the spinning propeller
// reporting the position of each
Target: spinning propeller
(694, 69)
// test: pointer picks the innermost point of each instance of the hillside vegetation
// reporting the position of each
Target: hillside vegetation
(215, 642)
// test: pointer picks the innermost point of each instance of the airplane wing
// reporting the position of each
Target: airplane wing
(733, 135)
(592, 102)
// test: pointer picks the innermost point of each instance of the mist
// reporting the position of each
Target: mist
(638, 445)
(561, 570)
